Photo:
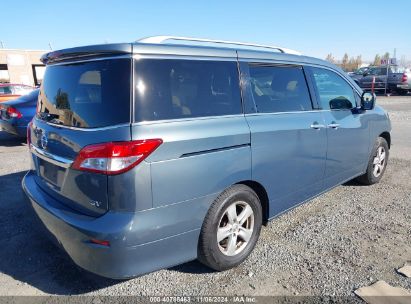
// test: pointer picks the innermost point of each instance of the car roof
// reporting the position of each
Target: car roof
(14, 84)
(224, 49)
(246, 52)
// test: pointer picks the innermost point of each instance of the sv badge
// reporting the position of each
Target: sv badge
(95, 203)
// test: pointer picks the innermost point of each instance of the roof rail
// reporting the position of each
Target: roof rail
(162, 39)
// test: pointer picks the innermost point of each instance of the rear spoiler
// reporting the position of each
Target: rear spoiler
(91, 51)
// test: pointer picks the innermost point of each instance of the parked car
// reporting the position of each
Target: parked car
(359, 73)
(16, 114)
(10, 91)
(400, 83)
(396, 82)
(148, 155)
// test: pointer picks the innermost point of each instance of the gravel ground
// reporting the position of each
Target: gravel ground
(342, 240)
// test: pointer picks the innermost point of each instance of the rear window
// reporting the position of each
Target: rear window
(5, 90)
(172, 89)
(86, 95)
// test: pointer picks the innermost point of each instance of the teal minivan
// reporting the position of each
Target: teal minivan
(150, 154)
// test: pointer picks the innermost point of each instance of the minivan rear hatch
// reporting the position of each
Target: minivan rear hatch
(83, 100)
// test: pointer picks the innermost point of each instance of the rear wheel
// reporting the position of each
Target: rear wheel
(402, 92)
(377, 163)
(231, 228)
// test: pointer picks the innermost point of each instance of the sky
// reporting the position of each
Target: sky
(313, 27)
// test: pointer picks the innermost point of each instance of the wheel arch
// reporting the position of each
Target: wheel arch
(387, 136)
(262, 196)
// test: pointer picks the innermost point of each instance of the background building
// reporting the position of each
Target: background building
(21, 66)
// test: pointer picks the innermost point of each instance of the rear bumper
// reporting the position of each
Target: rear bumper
(13, 129)
(135, 243)
(405, 86)
(399, 86)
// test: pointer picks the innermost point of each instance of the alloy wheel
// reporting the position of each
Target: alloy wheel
(235, 228)
(379, 161)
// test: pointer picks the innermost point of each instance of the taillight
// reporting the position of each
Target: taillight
(100, 242)
(404, 78)
(114, 157)
(13, 112)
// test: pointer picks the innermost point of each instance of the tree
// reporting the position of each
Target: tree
(344, 61)
(358, 62)
(377, 60)
(403, 61)
(62, 100)
(352, 65)
(330, 58)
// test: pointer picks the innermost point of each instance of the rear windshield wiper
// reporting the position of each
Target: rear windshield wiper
(49, 117)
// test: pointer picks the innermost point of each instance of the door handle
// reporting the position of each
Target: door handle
(317, 126)
(333, 125)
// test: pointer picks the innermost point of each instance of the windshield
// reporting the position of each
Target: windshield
(86, 95)
(360, 71)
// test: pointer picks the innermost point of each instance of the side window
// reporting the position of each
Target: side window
(4, 74)
(172, 89)
(372, 71)
(383, 71)
(38, 73)
(334, 92)
(279, 89)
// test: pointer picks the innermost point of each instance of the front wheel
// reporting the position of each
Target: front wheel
(377, 163)
(231, 228)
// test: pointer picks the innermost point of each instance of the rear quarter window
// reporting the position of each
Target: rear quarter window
(86, 95)
(173, 89)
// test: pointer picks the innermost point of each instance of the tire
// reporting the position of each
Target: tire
(376, 164)
(402, 92)
(233, 249)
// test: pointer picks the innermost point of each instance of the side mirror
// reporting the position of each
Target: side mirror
(340, 103)
(368, 100)
(365, 74)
